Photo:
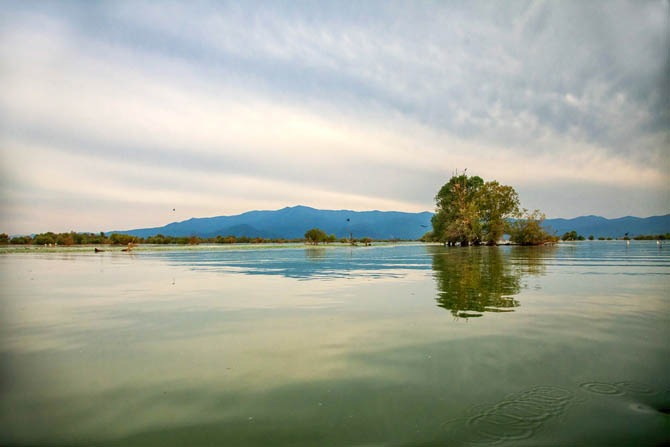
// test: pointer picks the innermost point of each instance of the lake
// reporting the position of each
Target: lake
(402, 344)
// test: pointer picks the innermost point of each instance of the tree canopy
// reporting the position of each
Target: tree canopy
(315, 235)
(527, 229)
(470, 211)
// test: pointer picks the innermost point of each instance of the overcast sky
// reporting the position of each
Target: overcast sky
(112, 114)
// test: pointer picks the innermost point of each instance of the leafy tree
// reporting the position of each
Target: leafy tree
(4, 238)
(44, 238)
(21, 240)
(570, 236)
(651, 237)
(528, 230)
(331, 238)
(457, 217)
(65, 238)
(315, 235)
(122, 239)
(427, 237)
(591, 238)
(469, 211)
(497, 203)
(366, 240)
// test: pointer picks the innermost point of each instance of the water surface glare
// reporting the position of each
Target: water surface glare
(400, 344)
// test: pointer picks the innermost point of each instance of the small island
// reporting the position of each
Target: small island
(470, 211)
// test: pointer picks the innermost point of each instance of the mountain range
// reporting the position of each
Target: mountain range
(292, 222)
(601, 227)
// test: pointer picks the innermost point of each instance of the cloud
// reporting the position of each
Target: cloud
(226, 107)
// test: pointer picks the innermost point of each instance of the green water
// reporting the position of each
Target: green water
(395, 345)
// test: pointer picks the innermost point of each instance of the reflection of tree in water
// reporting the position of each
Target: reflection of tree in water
(530, 260)
(475, 280)
(315, 253)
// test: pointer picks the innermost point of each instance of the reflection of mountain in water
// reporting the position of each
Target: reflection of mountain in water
(475, 280)
(308, 263)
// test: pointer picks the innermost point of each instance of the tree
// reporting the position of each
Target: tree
(315, 235)
(591, 238)
(570, 236)
(497, 203)
(366, 241)
(427, 237)
(67, 239)
(527, 229)
(122, 239)
(44, 238)
(457, 216)
(331, 238)
(469, 211)
(4, 238)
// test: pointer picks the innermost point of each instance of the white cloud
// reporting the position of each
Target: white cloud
(276, 109)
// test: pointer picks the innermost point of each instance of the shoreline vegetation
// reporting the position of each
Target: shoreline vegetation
(314, 236)
(185, 247)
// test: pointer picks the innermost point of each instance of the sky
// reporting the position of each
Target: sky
(119, 115)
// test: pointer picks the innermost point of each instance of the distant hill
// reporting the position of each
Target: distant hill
(601, 227)
(292, 222)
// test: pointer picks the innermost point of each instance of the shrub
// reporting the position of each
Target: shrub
(315, 235)
(528, 229)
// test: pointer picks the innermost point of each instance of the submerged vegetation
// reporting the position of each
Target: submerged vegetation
(527, 229)
(470, 211)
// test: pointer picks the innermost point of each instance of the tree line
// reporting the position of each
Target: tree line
(317, 235)
(72, 238)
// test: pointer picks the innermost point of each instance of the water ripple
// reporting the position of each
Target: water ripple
(516, 417)
(618, 388)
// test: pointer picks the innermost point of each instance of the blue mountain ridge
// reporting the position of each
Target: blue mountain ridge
(292, 222)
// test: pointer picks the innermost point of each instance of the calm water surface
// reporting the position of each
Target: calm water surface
(406, 344)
